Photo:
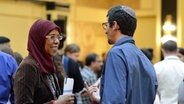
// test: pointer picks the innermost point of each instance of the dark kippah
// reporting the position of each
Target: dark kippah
(4, 39)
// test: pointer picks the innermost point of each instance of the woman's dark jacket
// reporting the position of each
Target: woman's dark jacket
(31, 86)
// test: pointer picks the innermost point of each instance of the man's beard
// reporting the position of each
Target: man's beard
(110, 42)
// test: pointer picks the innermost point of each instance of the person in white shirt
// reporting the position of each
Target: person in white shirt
(170, 73)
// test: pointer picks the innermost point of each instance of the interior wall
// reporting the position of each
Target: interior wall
(91, 38)
(87, 25)
(146, 37)
(88, 31)
(145, 34)
(83, 25)
(105, 4)
(16, 19)
(180, 23)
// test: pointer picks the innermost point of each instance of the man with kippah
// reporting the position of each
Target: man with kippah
(8, 67)
(5, 45)
(128, 76)
(4, 42)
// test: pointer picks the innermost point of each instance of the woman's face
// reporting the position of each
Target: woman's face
(52, 42)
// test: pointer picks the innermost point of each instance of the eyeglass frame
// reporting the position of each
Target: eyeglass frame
(53, 36)
(104, 25)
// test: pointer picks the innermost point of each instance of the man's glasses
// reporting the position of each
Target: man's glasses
(104, 25)
(53, 37)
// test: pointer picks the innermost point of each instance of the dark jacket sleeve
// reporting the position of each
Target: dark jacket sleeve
(24, 84)
(74, 72)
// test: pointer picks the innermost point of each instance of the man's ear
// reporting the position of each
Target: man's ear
(115, 26)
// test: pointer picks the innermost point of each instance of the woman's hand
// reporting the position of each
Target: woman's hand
(65, 99)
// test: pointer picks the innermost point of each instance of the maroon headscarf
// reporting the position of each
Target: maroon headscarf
(36, 44)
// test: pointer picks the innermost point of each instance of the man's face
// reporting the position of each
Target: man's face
(74, 56)
(5, 45)
(97, 64)
(109, 31)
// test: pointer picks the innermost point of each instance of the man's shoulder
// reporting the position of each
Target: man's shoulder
(122, 48)
(70, 61)
(159, 64)
(4, 55)
(86, 73)
(115, 50)
(6, 58)
(169, 64)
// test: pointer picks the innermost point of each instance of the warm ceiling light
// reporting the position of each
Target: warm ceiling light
(168, 26)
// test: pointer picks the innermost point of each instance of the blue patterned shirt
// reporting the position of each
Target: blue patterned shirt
(90, 78)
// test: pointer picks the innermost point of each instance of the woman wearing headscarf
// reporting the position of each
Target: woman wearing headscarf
(39, 78)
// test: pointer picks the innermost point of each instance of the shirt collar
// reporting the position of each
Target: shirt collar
(123, 39)
(88, 68)
(172, 57)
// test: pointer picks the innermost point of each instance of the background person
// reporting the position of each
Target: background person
(72, 51)
(170, 74)
(92, 65)
(8, 68)
(72, 70)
